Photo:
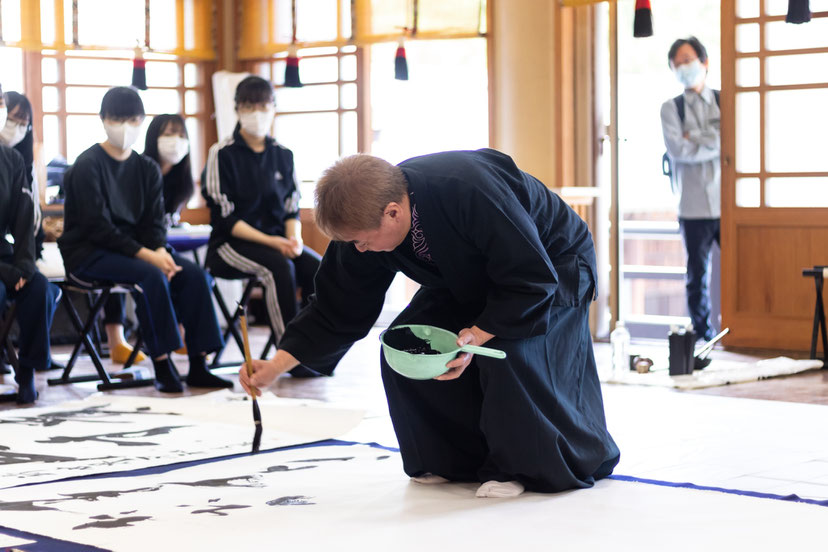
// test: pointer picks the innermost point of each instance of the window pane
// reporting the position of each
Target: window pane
(349, 134)
(747, 192)
(98, 71)
(191, 75)
(84, 100)
(315, 20)
(348, 68)
(191, 102)
(48, 70)
(665, 250)
(460, 15)
(747, 72)
(51, 138)
(161, 101)
(345, 21)
(747, 37)
(421, 116)
(747, 132)
(47, 22)
(795, 130)
(196, 159)
(107, 23)
(796, 192)
(318, 69)
(163, 28)
(11, 64)
(314, 140)
(162, 74)
(784, 36)
(349, 96)
(780, 7)
(654, 297)
(189, 25)
(51, 103)
(748, 8)
(799, 69)
(11, 20)
(82, 131)
(308, 98)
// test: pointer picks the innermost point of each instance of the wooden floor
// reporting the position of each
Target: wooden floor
(357, 379)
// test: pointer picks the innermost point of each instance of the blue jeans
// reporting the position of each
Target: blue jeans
(36, 303)
(162, 303)
(699, 235)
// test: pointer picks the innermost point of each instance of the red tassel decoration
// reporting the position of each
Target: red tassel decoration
(139, 70)
(292, 69)
(643, 21)
(400, 63)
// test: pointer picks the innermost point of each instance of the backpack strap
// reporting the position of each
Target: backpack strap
(679, 101)
(716, 95)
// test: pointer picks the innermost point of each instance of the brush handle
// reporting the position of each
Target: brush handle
(484, 351)
(247, 358)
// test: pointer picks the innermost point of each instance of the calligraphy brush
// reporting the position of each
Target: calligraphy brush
(257, 414)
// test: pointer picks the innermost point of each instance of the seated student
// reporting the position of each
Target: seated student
(251, 188)
(114, 231)
(168, 144)
(19, 279)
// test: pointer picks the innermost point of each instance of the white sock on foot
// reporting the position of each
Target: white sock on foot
(499, 489)
(429, 479)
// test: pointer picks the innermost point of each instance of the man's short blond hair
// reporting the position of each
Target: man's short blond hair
(353, 193)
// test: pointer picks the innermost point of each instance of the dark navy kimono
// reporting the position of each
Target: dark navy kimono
(505, 254)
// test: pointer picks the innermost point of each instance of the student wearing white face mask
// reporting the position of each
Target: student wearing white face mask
(691, 126)
(251, 187)
(167, 143)
(114, 232)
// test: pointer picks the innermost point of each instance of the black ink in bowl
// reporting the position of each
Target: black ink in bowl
(403, 339)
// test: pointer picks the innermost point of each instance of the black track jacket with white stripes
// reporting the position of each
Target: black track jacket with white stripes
(258, 188)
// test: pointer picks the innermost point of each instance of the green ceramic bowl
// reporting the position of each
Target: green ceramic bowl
(423, 366)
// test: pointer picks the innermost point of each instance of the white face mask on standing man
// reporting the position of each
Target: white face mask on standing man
(122, 135)
(691, 74)
(172, 148)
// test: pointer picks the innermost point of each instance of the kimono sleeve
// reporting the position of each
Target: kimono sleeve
(350, 292)
(523, 280)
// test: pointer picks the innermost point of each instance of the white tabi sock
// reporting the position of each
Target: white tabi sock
(429, 479)
(499, 489)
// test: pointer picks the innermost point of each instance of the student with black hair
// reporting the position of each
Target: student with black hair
(114, 231)
(251, 188)
(19, 279)
(168, 144)
(691, 126)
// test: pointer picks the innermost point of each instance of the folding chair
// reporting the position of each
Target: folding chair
(97, 294)
(7, 348)
(231, 318)
(818, 273)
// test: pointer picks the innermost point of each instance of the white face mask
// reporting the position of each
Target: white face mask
(172, 149)
(122, 135)
(257, 123)
(4, 112)
(13, 133)
(691, 74)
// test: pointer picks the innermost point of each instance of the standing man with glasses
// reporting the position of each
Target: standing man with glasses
(691, 126)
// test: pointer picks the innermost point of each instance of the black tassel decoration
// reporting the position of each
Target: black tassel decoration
(799, 11)
(139, 70)
(400, 63)
(292, 69)
(643, 21)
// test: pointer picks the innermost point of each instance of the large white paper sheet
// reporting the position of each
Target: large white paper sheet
(115, 433)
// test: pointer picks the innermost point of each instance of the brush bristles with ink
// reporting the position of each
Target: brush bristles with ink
(257, 414)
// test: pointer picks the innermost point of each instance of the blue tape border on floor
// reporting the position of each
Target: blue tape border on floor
(693, 486)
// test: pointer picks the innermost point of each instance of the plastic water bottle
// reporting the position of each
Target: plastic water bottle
(620, 343)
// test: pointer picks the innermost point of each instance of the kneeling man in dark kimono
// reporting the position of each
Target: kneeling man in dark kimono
(502, 261)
